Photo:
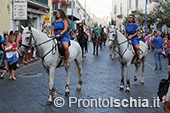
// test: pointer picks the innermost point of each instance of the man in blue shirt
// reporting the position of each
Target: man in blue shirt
(158, 45)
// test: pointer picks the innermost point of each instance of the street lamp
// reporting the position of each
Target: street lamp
(146, 15)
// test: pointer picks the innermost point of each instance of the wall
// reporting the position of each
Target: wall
(5, 15)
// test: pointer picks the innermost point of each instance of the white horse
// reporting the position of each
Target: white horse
(127, 57)
(51, 58)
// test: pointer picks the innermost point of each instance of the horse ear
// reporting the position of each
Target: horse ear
(29, 28)
(22, 27)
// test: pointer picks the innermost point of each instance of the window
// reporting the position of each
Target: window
(130, 4)
(120, 8)
(55, 6)
(43, 1)
(149, 1)
(115, 9)
(136, 3)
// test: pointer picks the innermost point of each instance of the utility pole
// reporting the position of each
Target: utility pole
(146, 15)
(72, 19)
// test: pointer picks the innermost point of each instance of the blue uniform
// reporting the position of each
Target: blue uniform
(131, 29)
(58, 27)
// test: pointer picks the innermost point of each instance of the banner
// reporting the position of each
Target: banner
(47, 18)
(20, 9)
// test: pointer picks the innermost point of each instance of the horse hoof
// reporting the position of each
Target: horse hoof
(78, 89)
(115, 57)
(135, 79)
(93, 53)
(67, 93)
(49, 103)
(121, 89)
(142, 83)
(112, 59)
(55, 96)
(127, 91)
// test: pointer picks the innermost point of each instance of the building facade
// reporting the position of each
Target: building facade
(36, 10)
(122, 8)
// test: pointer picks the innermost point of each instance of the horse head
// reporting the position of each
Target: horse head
(112, 38)
(27, 38)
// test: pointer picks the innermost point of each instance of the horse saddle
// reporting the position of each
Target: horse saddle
(61, 49)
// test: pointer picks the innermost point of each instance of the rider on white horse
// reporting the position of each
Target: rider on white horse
(131, 31)
(60, 31)
(113, 27)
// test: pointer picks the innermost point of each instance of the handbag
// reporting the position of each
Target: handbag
(12, 60)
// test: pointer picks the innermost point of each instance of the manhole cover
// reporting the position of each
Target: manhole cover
(29, 75)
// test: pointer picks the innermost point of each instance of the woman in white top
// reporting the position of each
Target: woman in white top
(9, 54)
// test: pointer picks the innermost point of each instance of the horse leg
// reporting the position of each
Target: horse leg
(143, 69)
(115, 54)
(122, 77)
(78, 65)
(112, 54)
(137, 66)
(68, 81)
(52, 92)
(97, 47)
(94, 48)
(127, 79)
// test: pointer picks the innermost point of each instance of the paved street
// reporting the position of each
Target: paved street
(101, 78)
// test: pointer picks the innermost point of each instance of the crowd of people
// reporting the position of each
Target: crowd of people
(10, 44)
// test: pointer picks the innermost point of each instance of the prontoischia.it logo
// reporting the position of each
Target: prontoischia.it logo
(111, 102)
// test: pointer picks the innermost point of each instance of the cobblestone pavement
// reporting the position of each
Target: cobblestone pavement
(101, 78)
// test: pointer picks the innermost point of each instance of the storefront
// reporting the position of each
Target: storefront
(36, 12)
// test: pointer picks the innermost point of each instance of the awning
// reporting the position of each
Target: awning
(35, 11)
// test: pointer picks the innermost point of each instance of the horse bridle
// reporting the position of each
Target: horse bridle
(118, 44)
(36, 45)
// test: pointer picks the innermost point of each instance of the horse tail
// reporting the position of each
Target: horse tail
(77, 68)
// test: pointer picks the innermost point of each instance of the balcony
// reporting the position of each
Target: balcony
(155, 0)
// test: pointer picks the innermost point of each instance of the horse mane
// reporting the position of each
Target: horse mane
(119, 33)
(39, 33)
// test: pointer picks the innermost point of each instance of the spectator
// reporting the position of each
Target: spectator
(167, 103)
(146, 39)
(4, 33)
(2, 73)
(11, 57)
(1, 51)
(5, 59)
(158, 45)
(168, 52)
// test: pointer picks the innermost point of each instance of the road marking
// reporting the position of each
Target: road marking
(158, 71)
(27, 75)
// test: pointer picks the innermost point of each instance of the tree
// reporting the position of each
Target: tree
(161, 11)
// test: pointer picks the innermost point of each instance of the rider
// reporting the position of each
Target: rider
(60, 31)
(131, 31)
(113, 26)
(84, 27)
(97, 29)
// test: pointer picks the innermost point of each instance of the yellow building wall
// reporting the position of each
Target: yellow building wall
(4, 15)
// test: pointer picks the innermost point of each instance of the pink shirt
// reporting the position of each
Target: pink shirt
(146, 39)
